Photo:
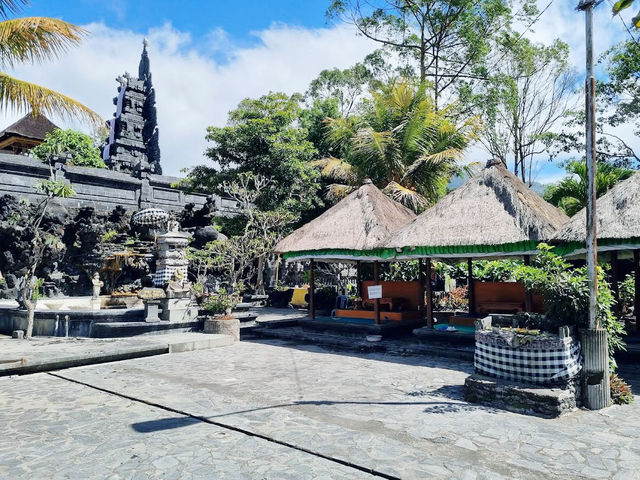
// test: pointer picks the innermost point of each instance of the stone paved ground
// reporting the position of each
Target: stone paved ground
(400, 416)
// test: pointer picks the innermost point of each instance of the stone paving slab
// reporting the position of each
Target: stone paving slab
(404, 416)
(53, 429)
(51, 353)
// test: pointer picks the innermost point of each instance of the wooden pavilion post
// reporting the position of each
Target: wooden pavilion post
(429, 294)
(359, 279)
(312, 287)
(636, 296)
(472, 296)
(528, 298)
(615, 290)
(376, 303)
(421, 277)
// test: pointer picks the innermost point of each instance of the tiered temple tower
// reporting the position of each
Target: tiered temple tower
(132, 146)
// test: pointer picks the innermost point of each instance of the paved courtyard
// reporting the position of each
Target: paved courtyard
(273, 411)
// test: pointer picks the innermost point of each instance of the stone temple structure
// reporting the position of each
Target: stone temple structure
(132, 146)
(134, 177)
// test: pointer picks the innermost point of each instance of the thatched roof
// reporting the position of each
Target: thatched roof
(618, 219)
(352, 229)
(29, 126)
(492, 214)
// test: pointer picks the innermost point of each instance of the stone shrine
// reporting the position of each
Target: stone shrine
(132, 146)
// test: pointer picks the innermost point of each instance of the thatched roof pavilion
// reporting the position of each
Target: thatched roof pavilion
(493, 214)
(618, 221)
(356, 228)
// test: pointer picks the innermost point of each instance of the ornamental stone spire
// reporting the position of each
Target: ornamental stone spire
(132, 146)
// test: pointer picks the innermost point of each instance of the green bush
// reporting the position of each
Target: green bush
(565, 289)
(220, 303)
(83, 151)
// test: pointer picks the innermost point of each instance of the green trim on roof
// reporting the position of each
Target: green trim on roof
(390, 253)
(567, 248)
(505, 248)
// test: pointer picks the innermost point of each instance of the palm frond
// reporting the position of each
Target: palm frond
(337, 191)
(10, 6)
(406, 196)
(336, 169)
(35, 39)
(22, 96)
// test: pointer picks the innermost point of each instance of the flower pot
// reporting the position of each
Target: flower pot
(223, 325)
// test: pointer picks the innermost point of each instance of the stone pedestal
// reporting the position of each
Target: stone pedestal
(95, 304)
(151, 311)
(178, 310)
(225, 327)
(172, 260)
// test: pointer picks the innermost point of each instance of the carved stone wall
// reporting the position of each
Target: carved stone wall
(100, 188)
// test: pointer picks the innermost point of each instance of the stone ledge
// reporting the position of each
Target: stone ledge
(522, 398)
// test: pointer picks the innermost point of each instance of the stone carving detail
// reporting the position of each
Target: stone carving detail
(132, 146)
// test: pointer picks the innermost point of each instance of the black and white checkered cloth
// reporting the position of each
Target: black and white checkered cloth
(164, 275)
(530, 365)
(152, 217)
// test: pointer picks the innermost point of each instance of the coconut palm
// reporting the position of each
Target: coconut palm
(570, 193)
(401, 143)
(36, 39)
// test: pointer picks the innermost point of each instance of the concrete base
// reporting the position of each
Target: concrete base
(386, 330)
(178, 310)
(225, 327)
(522, 398)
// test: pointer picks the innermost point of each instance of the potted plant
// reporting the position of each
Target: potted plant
(218, 315)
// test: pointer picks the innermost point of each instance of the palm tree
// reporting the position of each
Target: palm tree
(36, 39)
(570, 193)
(401, 143)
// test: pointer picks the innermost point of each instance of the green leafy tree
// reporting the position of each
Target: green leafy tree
(526, 96)
(30, 40)
(81, 147)
(401, 143)
(570, 193)
(445, 40)
(42, 240)
(263, 137)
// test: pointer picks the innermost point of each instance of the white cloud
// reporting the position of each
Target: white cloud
(193, 91)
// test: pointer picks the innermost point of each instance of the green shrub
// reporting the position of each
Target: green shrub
(620, 391)
(220, 303)
(81, 147)
(565, 289)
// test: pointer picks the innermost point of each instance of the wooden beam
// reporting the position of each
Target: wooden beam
(636, 297)
(429, 293)
(421, 280)
(312, 287)
(472, 296)
(376, 278)
(359, 279)
(528, 298)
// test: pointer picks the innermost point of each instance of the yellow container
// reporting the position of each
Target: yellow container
(298, 297)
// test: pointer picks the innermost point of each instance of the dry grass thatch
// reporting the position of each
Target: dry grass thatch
(492, 208)
(363, 220)
(618, 215)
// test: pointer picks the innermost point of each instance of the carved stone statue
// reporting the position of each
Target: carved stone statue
(97, 285)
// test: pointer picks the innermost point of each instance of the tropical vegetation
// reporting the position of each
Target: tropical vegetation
(80, 148)
(31, 40)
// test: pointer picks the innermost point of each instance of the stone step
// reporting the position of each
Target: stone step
(129, 329)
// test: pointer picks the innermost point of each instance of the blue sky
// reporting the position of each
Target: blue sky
(208, 55)
(198, 17)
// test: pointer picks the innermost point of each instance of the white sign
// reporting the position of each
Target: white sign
(374, 291)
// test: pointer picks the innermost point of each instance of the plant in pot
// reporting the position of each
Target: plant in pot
(219, 317)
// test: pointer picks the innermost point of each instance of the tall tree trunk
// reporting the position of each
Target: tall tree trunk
(260, 276)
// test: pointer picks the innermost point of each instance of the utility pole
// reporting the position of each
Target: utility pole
(596, 393)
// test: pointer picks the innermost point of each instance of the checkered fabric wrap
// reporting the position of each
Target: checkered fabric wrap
(153, 217)
(528, 364)
(162, 276)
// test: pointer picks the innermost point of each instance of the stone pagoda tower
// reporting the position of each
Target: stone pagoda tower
(132, 146)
